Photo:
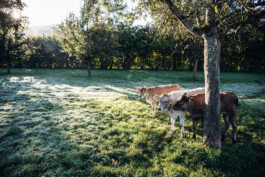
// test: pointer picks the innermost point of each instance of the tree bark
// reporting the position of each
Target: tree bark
(8, 65)
(164, 63)
(66, 62)
(195, 69)
(212, 118)
(174, 62)
(88, 69)
(111, 63)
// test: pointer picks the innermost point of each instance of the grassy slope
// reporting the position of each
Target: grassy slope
(59, 123)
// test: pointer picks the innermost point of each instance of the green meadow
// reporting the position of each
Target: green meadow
(56, 122)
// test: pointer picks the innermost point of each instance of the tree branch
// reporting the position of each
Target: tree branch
(180, 16)
(198, 20)
(239, 26)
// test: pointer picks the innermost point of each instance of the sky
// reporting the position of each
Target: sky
(49, 12)
(52, 12)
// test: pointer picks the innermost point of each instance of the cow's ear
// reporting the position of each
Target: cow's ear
(186, 96)
(170, 98)
(156, 97)
(138, 89)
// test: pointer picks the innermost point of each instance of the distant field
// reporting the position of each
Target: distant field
(60, 123)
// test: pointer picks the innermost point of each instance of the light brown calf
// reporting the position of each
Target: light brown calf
(196, 106)
(149, 93)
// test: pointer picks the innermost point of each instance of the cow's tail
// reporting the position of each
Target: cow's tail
(236, 101)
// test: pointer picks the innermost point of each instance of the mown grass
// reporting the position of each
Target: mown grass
(60, 123)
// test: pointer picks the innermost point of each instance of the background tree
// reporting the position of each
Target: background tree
(11, 30)
(103, 46)
(42, 52)
(193, 51)
(105, 37)
(127, 41)
(73, 39)
(84, 37)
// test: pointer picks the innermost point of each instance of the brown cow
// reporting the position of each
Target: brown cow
(196, 106)
(149, 93)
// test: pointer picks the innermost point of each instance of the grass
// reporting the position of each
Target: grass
(60, 123)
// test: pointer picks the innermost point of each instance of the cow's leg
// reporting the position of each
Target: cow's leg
(172, 125)
(195, 125)
(233, 122)
(153, 108)
(227, 124)
(203, 123)
(182, 123)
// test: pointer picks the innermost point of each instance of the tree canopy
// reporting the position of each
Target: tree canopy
(11, 30)
(104, 36)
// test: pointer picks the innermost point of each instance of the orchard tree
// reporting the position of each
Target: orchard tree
(210, 19)
(43, 51)
(81, 37)
(74, 39)
(193, 51)
(145, 46)
(11, 30)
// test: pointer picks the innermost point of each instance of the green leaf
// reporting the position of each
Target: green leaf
(216, 9)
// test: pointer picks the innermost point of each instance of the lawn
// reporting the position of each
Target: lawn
(60, 123)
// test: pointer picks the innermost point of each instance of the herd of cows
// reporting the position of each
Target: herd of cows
(178, 102)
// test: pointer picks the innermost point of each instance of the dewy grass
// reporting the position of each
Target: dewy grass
(61, 123)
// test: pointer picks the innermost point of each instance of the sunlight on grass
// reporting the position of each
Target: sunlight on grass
(63, 124)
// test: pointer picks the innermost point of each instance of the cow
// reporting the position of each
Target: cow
(149, 93)
(166, 102)
(196, 106)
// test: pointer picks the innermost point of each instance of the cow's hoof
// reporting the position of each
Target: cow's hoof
(183, 135)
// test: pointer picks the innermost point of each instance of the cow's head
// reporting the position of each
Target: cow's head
(164, 102)
(142, 92)
(182, 103)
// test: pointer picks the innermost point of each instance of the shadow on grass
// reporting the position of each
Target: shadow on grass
(42, 137)
(32, 142)
(37, 140)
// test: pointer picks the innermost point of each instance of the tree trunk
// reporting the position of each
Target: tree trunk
(178, 61)
(66, 62)
(195, 69)
(212, 118)
(164, 64)
(88, 69)
(111, 63)
(174, 64)
(8, 65)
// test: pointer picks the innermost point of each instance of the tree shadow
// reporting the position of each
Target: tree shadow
(52, 136)
(34, 139)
